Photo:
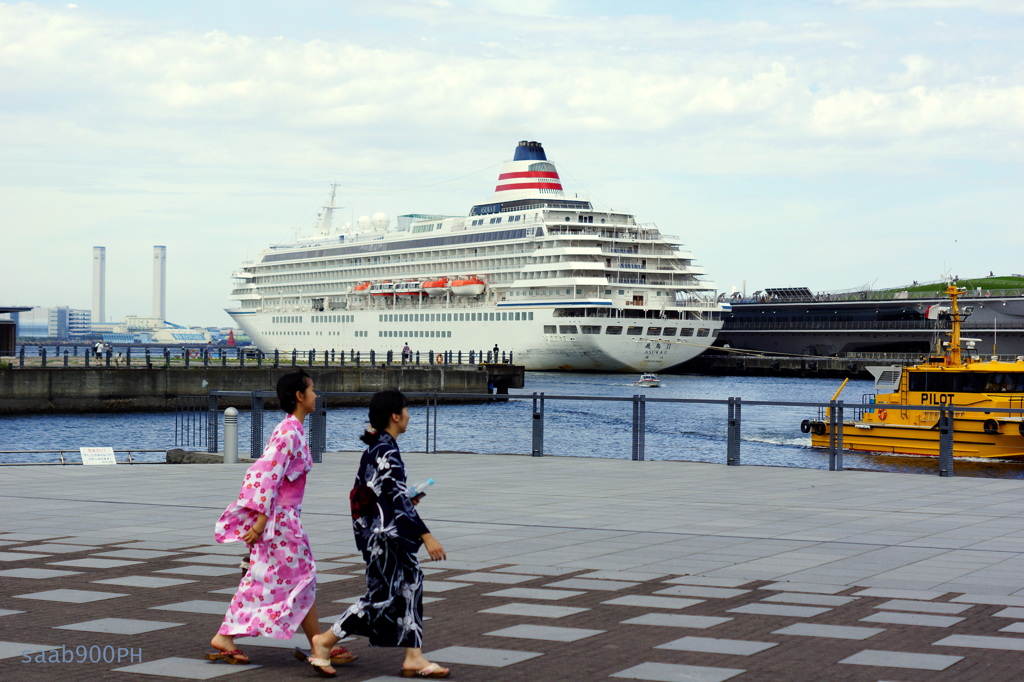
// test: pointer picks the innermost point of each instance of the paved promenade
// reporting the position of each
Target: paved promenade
(560, 569)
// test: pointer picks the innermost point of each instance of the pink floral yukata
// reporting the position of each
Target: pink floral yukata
(280, 587)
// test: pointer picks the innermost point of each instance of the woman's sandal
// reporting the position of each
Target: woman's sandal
(339, 655)
(319, 664)
(432, 670)
(228, 656)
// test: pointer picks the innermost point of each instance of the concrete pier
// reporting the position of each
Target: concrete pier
(559, 569)
(101, 389)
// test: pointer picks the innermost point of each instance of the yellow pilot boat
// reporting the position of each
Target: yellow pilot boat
(956, 378)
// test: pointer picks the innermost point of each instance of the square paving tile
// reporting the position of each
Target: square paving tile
(671, 672)
(833, 631)
(12, 649)
(499, 578)
(653, 602)
(923, 619)
(809, 599)
(701, 591)
(219, 559)
(145, 581)
(9, 612)
(592, 584)
(923, 606)
(924, 595)
(56, 548)
(196, 606)
(20, 556)
(537, 570)
(134, 554)
(545, 632)
(677, 620)
(762, 609)
(528, 593)
(119, 626)
(981, 642)
(94, 563)
(491, 658)
(36, 573)
(1012, 627)
(297, 640)
(712, 645)
(208, 571)
(71, 596)
(1015, 612)
(805, 587)
(439, 585)
(707, 581)
(185, 668)
(900, 659)
(535, 610)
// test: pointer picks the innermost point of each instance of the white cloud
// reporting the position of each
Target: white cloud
(119, 127)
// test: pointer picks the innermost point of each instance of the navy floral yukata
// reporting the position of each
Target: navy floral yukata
(388, 532)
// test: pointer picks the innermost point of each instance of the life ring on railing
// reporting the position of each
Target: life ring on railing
(883, 413)
(193, 354)
(805, 426)
(439, 360)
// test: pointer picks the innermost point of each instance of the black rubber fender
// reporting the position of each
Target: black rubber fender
(818, 428)
(991, 427)
(805, 426)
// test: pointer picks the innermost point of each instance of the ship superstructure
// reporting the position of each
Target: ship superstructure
(560, 285)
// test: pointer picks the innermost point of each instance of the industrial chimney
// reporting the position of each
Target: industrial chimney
(159, 282)
(99, 284)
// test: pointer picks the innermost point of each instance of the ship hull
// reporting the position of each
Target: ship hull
(969, 440)
(362, 331)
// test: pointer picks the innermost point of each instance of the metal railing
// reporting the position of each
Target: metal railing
(833, 412)
(132, 356)
(65, 453)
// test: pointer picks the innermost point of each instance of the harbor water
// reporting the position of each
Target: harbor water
(692, 432)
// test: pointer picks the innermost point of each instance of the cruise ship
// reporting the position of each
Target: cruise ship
(544, 277)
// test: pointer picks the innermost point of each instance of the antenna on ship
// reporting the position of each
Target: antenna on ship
(328, 214)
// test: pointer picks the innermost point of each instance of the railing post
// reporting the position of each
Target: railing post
(21, 356)
(435, 421)
(460, 357)
(318, 432)
(42, 356)
(241, 356)
(639, 427)
(128, 356)
(945, 440)
(426, 445)
(149, 360)
(835, 439)
(538, 421)
(88, 355)
(390, 356)
(259, 357)
(65, 357)
(223, 357)
(732, 454)
(211, 421)
(373, 358)
(231, 436)
(256, 428)
(277, 358)
(294, 356)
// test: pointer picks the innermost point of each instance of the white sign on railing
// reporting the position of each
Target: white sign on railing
(98, 455)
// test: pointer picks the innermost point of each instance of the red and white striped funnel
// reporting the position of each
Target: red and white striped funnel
(528, 175)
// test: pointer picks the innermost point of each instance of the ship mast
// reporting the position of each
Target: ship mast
(328, 214)
(954, 334)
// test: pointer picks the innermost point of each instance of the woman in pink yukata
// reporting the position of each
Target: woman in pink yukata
(277, 595)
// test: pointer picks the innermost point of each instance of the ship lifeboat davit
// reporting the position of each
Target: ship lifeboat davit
(469, 286)
(382, 289)
(436, 287)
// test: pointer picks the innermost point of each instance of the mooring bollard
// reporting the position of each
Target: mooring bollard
(231, 436)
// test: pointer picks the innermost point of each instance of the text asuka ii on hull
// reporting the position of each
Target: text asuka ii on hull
(559, 284)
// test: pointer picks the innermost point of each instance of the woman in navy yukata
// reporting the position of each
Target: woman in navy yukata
(388, 532)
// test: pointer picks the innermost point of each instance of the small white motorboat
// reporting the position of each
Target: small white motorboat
(648, 380)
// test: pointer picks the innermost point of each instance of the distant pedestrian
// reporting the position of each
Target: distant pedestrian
(496, 355)
(98, 349)
(406, 352)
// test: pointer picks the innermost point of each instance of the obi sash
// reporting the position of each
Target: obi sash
(291, 492)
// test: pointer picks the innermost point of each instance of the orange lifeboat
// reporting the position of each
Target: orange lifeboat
(362, 287)
(436, 287)
(468, 286)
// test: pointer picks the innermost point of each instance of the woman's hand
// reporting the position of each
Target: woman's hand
(255, 532)
(434, 548)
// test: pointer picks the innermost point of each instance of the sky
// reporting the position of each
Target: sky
(832, 144)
